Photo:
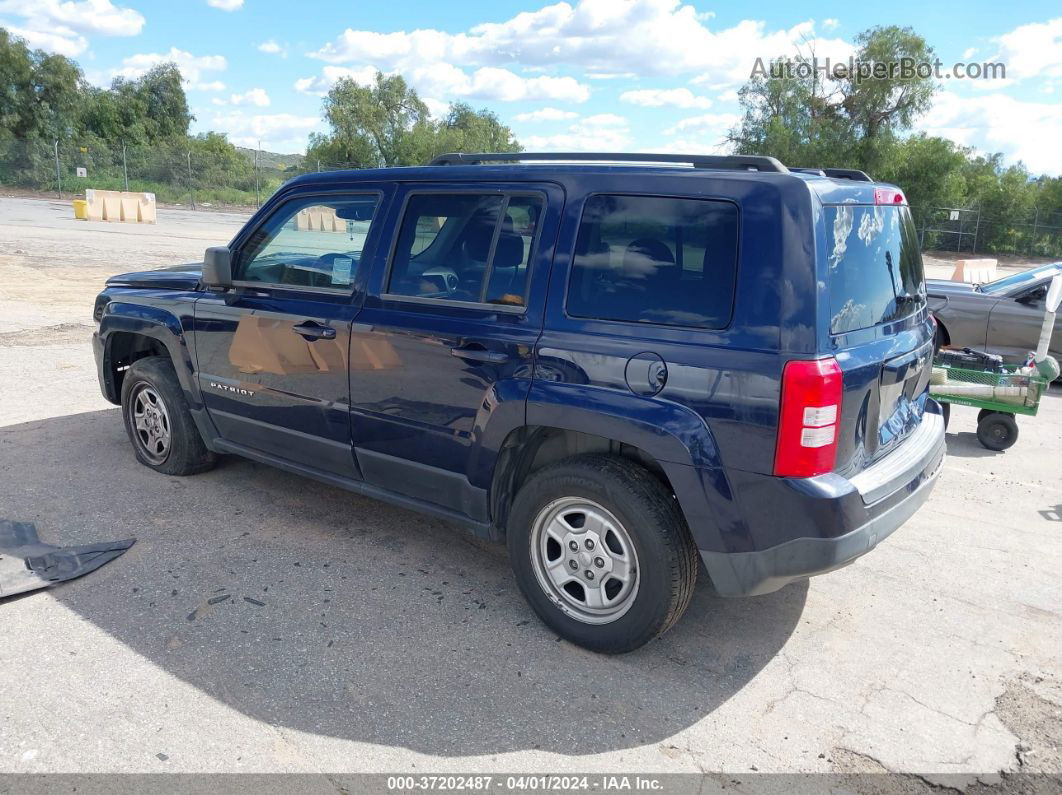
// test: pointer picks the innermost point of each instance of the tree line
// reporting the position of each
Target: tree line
(806, 117)
(138, 131)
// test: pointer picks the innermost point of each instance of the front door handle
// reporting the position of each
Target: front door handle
(314, 331)
(479, 355)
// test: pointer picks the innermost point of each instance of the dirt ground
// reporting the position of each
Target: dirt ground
(360, 637)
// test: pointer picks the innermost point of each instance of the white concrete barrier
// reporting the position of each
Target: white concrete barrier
(121, 206)
(975, 271)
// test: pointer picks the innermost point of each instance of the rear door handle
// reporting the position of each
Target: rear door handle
(479, 355)
(314, 331)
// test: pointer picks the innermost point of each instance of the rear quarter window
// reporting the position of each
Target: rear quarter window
(650, 259)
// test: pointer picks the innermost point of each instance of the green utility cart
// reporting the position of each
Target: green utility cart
(1001, 393)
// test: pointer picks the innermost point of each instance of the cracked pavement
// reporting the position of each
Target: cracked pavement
(361, 637)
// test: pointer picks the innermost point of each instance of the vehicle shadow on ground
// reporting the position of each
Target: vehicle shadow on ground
(310, 608)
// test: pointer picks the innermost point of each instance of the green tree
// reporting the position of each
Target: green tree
(387, 124)
(467, 130)
(40, 94)
(804, 117)
(378, 125)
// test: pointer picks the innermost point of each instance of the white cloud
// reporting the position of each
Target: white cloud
(271, 47)
(226, 5)
(192, 67)
(545, 114)
(62, 26)
(256, 96)
(659, 97)
(68, 43)
(1027, 131)
(318, 85)
(278, 132)
(493, 83)
(1031, 51)
(644, 37)
(831, 24)
(602, 132)
(443, 80)
(712, 124)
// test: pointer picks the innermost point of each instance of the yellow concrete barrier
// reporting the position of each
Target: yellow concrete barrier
(80, 209)
(122, 206)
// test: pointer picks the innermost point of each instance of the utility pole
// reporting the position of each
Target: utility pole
(125, 168)
(58, 175)
(191, 187)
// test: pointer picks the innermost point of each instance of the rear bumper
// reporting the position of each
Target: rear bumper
(884, 496)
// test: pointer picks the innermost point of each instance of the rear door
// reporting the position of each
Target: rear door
(445, 339)
(272, 352)
(879, 327)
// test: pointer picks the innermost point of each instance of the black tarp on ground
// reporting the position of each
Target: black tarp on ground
(26, 564)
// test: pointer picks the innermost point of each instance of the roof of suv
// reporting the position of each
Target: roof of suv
(830, 185)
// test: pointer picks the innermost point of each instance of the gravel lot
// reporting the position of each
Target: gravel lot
(360, 637)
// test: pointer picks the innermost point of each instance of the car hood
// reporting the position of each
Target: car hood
(176, 277)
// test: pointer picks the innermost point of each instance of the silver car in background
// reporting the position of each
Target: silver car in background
(1002, 317)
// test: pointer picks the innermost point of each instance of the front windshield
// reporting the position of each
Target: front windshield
(1005, 284)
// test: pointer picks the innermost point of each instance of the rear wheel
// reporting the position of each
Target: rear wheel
(158, 422)
(997, 431)
(601, 552)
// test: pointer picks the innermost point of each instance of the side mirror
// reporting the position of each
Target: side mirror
(217, 268)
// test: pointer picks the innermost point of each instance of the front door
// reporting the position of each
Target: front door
(272, 351)
(445, 340)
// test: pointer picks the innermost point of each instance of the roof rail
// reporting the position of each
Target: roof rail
(736, 162)
(848, 173)
(816, 171)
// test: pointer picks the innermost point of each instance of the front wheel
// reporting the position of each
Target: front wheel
(601, 552)
(160, 427)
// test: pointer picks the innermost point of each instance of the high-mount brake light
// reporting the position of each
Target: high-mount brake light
(889, 196)
(807, 419)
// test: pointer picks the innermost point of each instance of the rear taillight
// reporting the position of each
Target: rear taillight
(889, 196)
(807, 420)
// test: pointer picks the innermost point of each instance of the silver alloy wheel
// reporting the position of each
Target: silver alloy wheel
(151, 423)
(584, 560)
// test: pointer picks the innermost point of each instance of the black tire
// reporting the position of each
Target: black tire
(945, 412)
(983, 413)
(665, 562)
(997, 431)
(184, 452)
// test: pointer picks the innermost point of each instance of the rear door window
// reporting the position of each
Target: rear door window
(465, 247)
(651, 259)
(874, 266)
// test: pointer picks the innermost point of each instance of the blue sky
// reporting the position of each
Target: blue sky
(657, 75)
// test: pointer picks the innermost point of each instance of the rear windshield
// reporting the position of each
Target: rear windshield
(875, 266)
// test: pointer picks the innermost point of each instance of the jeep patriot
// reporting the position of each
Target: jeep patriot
(623, 366)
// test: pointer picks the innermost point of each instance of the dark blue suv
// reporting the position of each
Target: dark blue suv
(618, 364)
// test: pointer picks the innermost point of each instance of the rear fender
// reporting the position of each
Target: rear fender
(673, 435)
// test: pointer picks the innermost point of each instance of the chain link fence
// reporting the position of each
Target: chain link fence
(967, 230)
(209, 172)
(197, 173)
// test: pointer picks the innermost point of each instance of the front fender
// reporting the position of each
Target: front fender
(158, 324)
